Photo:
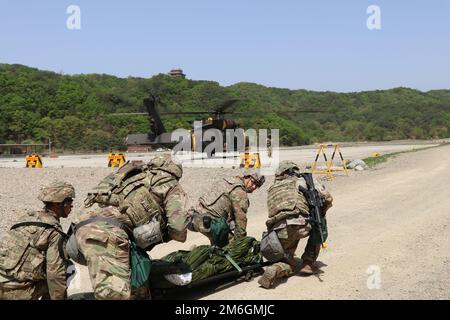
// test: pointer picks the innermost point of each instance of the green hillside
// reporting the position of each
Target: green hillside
(74, 110)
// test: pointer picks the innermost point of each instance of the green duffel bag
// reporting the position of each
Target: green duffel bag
(141, 266)
(219, 232)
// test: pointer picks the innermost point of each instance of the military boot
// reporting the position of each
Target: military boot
(141, 293)
(308, 268)
(270, 275)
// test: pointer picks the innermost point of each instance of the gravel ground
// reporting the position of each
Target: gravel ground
(21, 187)
(395, 217)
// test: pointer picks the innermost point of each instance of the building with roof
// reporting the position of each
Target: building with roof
(178, 73)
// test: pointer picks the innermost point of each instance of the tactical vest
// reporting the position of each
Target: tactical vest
(218, 201)
(23, 251)
(284, 197)
(132, 190)
(107, 191)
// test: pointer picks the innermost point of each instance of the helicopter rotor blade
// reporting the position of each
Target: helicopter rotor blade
(129, 114)
(161, 113)
(185, 113)
(226, 105)
(212, 112)
(246, 114)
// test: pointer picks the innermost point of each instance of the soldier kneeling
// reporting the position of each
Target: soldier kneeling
(32, 256)
(290, 220)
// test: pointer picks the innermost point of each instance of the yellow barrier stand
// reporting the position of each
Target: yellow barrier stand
(33, 161)
(344, 165)
(250, 160)
(116, 160)
(314, 165)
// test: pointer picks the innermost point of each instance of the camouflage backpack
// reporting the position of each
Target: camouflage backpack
(129, 189)
(106, 192)
(22, 250)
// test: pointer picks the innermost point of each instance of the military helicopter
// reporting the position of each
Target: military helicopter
(159, 137)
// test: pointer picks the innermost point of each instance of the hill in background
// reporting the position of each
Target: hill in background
(73, 111)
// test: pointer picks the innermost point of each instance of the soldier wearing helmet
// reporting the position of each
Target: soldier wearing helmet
(227, 202)
(288, 217)
(32, 257)
(141, 204)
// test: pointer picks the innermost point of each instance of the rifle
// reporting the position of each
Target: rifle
(315, 203)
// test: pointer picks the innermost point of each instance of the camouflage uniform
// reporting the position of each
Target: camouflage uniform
(106, 247)
(228, 199)
(32, 258)
(288, 214)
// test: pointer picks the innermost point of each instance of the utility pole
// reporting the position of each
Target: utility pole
(49, 146)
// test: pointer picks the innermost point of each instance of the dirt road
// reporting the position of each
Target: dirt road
(395, 220)
(303, 154)
(389, 231)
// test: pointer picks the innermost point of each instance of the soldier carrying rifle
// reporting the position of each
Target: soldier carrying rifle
(297, 210)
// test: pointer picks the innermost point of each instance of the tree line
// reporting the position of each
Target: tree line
(74, 111)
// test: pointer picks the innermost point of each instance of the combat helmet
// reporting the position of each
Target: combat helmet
(256, 176)
(166, 163)
(286, 166)
(57, 192)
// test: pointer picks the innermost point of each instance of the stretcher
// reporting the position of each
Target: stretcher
(210, 284)
(184, 274)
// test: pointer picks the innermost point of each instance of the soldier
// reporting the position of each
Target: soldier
(32, 257)
(228, 200)
(288, 215)
(141, 202)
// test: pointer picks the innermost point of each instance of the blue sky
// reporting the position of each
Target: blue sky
(316, 45)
